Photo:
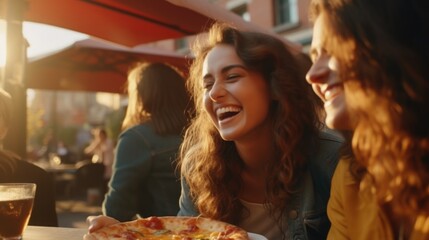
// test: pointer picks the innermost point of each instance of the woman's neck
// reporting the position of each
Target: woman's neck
(256, 153)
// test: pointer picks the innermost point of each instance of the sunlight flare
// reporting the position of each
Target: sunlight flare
(42, 39)
(2, 43)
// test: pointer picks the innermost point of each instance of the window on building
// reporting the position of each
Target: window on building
(181, 43)
(286, 12)
(242, 11)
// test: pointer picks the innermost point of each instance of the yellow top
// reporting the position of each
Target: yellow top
(355, 214)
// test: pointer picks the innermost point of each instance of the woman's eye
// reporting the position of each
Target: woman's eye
(207, 85)
(232, 76)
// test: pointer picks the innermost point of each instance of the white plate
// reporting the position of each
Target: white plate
(254, 236)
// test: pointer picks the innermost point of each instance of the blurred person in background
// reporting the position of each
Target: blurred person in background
(144, 181)
(102, 150)
(49, 146)
(15, 170)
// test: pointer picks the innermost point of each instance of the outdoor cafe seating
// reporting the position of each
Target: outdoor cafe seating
(75, 180)
(89, 181)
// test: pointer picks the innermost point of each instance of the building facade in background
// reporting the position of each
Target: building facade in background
(288, 18)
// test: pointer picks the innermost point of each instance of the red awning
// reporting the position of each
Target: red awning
(127, 22)
(94, 65)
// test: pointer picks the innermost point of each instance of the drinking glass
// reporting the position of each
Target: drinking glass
(16, 203)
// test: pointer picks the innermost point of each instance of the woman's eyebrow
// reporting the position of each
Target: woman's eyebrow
(229, 67)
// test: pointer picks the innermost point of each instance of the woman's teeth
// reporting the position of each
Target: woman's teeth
(332, 92)
(226, 112)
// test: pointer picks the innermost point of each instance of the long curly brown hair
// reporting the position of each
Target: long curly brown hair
(212, 166)
(383, 52)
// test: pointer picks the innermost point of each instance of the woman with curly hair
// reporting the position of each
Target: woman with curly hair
(380, 51)
(254, 155)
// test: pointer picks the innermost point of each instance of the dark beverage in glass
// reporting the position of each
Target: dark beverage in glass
(16, 203)
(14, 216)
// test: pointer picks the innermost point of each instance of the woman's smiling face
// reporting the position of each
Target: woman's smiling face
(236, 98)
(324, 79)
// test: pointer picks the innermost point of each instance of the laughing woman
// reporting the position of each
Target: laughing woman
(254, 155)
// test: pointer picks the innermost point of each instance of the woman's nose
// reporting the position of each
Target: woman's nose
(319, 72)
(217, 91)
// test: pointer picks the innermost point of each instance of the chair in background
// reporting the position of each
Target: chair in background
(89, 181)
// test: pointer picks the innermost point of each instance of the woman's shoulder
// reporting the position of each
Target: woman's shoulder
(146, 133)
(331, 137)
(31, 171)
(144, 128)
(324, 156)
(8, 162)
(343, 173)
(137, 132)
(24, 171)
(327, 148)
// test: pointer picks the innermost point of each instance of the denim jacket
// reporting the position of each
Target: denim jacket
(306, 212)
(144, 180)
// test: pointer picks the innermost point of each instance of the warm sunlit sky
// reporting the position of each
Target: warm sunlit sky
(42, 39)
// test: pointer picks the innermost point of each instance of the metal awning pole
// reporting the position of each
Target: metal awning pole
(14, 75)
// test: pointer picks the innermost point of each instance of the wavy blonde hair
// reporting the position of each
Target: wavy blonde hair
(212, 166)
(383, 52)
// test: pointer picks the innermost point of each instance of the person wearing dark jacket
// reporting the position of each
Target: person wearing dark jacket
(144, 180)
(15, 170)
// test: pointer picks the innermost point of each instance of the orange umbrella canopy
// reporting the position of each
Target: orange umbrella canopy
(94, 65)
(127, 22)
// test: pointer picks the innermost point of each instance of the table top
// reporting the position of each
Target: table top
(57, 168)
(53, 233)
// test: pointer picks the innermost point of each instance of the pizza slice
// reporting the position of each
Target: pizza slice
(176, 228)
